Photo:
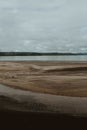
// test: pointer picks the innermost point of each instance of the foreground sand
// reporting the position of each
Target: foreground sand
(17, 100)
(52, 77)
(50, 87)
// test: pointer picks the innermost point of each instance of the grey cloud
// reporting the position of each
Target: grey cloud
(46, 25)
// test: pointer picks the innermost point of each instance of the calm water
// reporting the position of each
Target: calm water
(62, 58)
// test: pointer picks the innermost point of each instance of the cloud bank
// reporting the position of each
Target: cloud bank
(43, 25)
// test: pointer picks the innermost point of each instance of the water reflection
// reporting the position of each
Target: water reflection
(60, 58)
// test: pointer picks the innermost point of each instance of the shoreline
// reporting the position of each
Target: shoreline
(40, 54)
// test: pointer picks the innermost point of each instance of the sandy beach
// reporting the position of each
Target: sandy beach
(52, 77)
(41, 86)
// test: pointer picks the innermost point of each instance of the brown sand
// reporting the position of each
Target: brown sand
(26, 101)
(52, 77)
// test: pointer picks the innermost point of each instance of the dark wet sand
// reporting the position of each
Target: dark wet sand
(23, 120)
(21, 109)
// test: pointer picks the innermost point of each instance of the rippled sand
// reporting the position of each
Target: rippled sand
(52, 77)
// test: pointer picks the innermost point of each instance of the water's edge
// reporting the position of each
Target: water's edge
(44, 58)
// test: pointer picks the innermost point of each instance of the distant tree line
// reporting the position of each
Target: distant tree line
(37, 54)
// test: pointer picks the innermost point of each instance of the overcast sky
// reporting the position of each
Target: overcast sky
(43, 25)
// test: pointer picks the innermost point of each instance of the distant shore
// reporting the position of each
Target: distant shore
(39, 54)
